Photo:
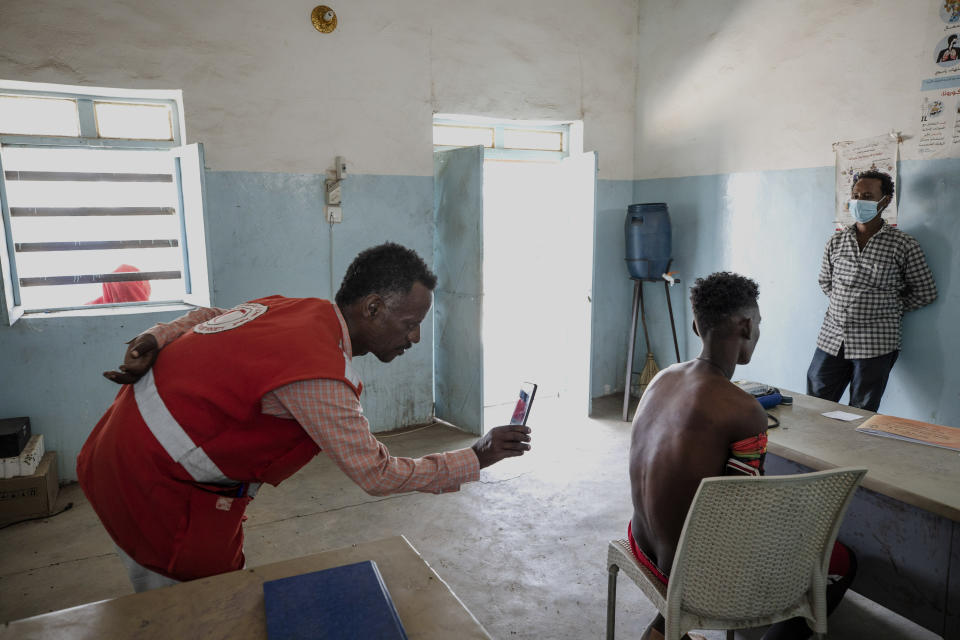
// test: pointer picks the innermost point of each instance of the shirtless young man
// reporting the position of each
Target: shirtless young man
(693, 423)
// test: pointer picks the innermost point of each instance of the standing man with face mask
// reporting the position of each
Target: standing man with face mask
(872, 273)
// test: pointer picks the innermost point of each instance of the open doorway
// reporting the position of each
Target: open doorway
(537, 260)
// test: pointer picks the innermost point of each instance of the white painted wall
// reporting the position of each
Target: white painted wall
(741, 85)
(266, 92)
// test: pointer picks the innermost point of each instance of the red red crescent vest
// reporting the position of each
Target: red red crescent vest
(170, 467)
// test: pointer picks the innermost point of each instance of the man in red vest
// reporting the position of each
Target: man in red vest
(220, 401)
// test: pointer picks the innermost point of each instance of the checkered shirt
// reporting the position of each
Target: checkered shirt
(870, 290)
(330, 413)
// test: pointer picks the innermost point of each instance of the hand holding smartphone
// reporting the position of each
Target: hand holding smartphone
(522, 409)
(509, 440)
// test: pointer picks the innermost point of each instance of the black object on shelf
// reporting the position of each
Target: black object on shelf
(14, 433)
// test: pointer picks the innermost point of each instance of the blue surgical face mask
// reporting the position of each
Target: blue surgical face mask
(863, 211)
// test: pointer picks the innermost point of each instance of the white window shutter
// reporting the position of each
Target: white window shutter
(13, 310)
(196, 261)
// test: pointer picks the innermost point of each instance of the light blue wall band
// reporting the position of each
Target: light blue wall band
(268, 235)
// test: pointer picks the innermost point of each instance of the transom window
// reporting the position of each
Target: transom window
(102, 206)
(504, 141)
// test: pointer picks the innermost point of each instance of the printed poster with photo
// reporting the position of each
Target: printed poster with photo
(855, 157)
(944, 40)
(940, 91)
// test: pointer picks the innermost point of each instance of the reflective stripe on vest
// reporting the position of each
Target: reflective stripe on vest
(171, 436)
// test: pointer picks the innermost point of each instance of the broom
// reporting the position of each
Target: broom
(650, 368)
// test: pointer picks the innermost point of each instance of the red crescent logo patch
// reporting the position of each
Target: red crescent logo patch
(239, 315)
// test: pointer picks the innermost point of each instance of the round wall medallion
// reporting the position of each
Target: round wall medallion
(324, 18)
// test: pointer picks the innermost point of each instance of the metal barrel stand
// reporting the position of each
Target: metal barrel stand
(638, 303)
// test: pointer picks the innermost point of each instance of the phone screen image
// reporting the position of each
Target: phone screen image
(522, 409)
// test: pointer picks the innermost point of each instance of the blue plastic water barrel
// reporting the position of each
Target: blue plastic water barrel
(647, 229)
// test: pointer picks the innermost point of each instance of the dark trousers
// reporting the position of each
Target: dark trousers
(829, 375)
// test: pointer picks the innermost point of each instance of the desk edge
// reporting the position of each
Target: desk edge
(878, 486)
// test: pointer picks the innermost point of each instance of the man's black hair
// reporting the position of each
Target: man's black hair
(718, 296)
(386, 268)
(886, 182)
(951, 38)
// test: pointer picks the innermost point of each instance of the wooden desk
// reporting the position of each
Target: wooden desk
(904, 522)
(230, 606)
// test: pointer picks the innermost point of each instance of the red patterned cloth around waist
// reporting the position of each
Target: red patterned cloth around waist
(642, 557)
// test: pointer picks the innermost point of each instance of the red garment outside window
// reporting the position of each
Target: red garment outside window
(135, 291)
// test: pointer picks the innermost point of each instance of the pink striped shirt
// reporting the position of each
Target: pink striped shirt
(331, 414)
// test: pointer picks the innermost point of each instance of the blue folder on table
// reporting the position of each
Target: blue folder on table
(351, 601)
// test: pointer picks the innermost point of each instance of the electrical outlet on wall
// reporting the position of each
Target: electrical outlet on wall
(333, 213)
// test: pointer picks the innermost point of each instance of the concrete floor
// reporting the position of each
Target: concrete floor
(524, 548)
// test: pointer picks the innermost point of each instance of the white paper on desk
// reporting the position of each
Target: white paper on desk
(842, 415)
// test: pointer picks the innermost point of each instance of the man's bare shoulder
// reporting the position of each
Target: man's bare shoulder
(744, 417)
(708, 387)
(727, 407)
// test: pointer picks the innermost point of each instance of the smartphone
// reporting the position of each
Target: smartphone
(522, 410)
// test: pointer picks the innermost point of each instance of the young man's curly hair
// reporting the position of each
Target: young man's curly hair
(384, 269)
(886, 182)
(718, 296)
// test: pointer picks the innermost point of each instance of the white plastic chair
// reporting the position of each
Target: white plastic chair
(753, 551)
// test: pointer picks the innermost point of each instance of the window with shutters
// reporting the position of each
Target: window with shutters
(102, 203)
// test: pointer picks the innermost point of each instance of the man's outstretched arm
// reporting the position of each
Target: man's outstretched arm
(331, 414)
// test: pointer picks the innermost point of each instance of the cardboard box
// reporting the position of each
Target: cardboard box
(33, 495)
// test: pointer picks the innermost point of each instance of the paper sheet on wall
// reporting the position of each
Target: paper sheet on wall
(855, 157)
(940, 90)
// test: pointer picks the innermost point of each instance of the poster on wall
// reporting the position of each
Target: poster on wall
(940, 90)
(940, 118)
(853, 158)
(944, 39)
